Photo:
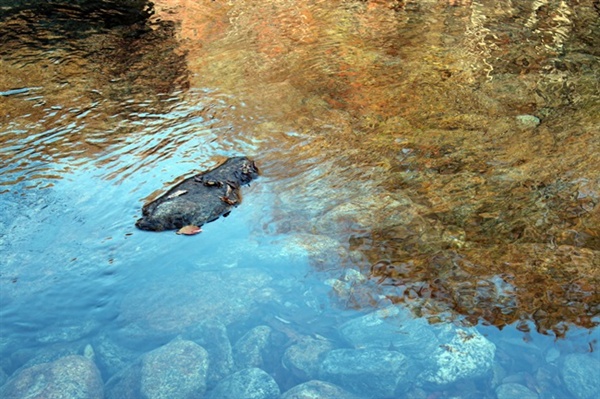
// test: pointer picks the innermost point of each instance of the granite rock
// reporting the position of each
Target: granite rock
(248, 350)
(73, 377)
(252, 383)
(513, 390)
(303, 359)
(174, 371)
(370, 372)
(316, 389)
(581, 375)
(444, 353)
(212, 335)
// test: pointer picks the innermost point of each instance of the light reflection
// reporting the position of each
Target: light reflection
(392, 127)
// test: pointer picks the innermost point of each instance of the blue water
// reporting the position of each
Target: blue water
(76, 276)
(76, 270)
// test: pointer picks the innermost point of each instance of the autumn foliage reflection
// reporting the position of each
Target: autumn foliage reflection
(452, 144)
(450, 147)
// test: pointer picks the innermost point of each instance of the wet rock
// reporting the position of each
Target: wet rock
(463, 354)
(110, 356)
(3, 377)
(70, 377)
(552, 355)
(248, 350)
(511, 93)
(370, 372)
(515, 391)
(212, 335)
(379, 209)
(353, 287)
(68, 332)
(316, 389)
(172, 306)
(199, 199)
(29, 357)
(581, 375)
(175, 371)
(393, 327)
(304, 358)
(321, 248)
(445, 353)
(252, 383)
(527, 121)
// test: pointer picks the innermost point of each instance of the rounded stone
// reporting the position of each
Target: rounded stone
(515, 391)
(252, 383)
(304, 358)
(175, 371)
(581, 375)
(316, 389)
(73, 377)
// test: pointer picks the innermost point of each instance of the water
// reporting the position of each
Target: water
(436, 156)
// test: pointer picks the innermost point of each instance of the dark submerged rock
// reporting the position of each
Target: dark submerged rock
(201, 198)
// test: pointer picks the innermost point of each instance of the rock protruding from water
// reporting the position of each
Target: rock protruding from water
(199, 199)
(177, 370)
(581, 375)
(252, 383)
(316, 389)
(73, 377)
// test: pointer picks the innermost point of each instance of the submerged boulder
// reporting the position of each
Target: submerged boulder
(316, 389)
(163, 309)
(249, 350)
(373, 372)
(252, 383)
(74, 377)
(177, 370)
(444, 353)
(201, 198)
(581, 375)
(303, 358)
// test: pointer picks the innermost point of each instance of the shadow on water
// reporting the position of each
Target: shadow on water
(441, 155)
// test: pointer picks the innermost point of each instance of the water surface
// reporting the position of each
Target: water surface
(443, 151)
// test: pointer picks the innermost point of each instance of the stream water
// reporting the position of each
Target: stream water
(436, 157)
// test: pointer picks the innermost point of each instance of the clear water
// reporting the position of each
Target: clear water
(387, 133)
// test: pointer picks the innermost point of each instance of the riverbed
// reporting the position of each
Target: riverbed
(428, 167)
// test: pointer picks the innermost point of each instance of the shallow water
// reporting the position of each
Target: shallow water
(437, 155)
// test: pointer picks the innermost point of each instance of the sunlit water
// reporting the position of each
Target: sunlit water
(403, 162)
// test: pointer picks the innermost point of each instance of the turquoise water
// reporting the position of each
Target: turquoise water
(90, 133)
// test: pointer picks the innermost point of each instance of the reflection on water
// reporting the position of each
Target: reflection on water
(441, 155)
